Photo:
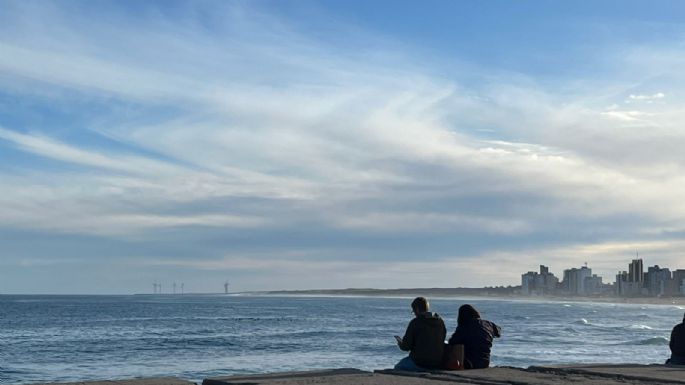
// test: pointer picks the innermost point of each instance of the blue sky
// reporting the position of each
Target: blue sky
(304, 144)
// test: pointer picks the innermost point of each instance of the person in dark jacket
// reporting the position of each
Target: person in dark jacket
(424, 339)
(677, 344)
(476, 335)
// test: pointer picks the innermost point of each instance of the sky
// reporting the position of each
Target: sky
(335, 144)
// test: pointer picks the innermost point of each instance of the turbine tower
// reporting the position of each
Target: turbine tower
(226, 287)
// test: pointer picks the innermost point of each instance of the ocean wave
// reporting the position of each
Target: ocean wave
(648, 341)
(640, 327)
(10, 375)
(581, 321)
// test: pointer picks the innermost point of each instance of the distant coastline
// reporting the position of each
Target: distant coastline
(485, 293)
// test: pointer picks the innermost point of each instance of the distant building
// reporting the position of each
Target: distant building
(593, 285)
(574, 280)
(635, 271)
(542, 283)
(678, 282)
(631, 284)
(621, 279)
(656, 280)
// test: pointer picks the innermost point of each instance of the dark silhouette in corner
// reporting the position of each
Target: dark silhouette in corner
(677, 344)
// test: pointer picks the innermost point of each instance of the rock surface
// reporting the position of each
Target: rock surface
(631, 374)
(135, 381)
(596, 374)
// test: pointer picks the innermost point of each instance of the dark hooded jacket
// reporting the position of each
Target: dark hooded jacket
(476, 335)
(425, 340)
(677, 344)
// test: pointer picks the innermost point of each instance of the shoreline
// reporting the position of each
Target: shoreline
(441, 293)
(431, 293)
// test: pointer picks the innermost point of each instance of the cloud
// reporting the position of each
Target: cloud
(249, 133)
(658, 95)
(626, 116)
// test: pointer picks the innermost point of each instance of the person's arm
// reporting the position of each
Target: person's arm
(496, 330)
(444, 329)
(408, 339)
(457, 337)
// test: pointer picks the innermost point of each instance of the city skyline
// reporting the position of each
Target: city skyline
(322, 144)
(657, 281)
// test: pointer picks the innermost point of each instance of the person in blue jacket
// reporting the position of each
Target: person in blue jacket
(476, 335)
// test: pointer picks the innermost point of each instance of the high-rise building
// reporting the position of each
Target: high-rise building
(574, 280)
(542, 283)
(621, 279)
(528, 283)
(593, 285)
(635, 272)
(679, 282)
(656, 280)
(632, 283)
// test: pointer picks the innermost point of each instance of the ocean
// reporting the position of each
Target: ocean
(76, 338)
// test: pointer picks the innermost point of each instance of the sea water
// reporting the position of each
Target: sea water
(76, 338)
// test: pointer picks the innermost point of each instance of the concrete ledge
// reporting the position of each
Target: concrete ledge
(655, 373)
(134, 381)
(598, 374)
(594, 374)
(287, 377)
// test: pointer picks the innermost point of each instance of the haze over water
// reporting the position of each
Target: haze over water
(76, 338)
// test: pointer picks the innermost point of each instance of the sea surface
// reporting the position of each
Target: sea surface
(76, 338)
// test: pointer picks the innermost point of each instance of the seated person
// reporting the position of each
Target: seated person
(677, 344)
(476, 335)
(424, 339)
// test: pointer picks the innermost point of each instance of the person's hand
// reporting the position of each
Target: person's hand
(399, 340)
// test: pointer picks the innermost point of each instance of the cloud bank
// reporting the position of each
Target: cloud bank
(203, 142)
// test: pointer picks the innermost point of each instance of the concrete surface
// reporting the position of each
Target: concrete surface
(626, 374)
(134, 381)
(596, 374)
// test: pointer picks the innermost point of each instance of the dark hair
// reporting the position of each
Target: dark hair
(467, 313)
(419, 305)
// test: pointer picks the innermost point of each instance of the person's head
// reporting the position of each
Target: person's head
(467, 313)
(419, 305)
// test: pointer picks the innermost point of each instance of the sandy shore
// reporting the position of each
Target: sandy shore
(596, 374)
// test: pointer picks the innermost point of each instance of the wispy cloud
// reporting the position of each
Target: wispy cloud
(283, 141)
(658, 95)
